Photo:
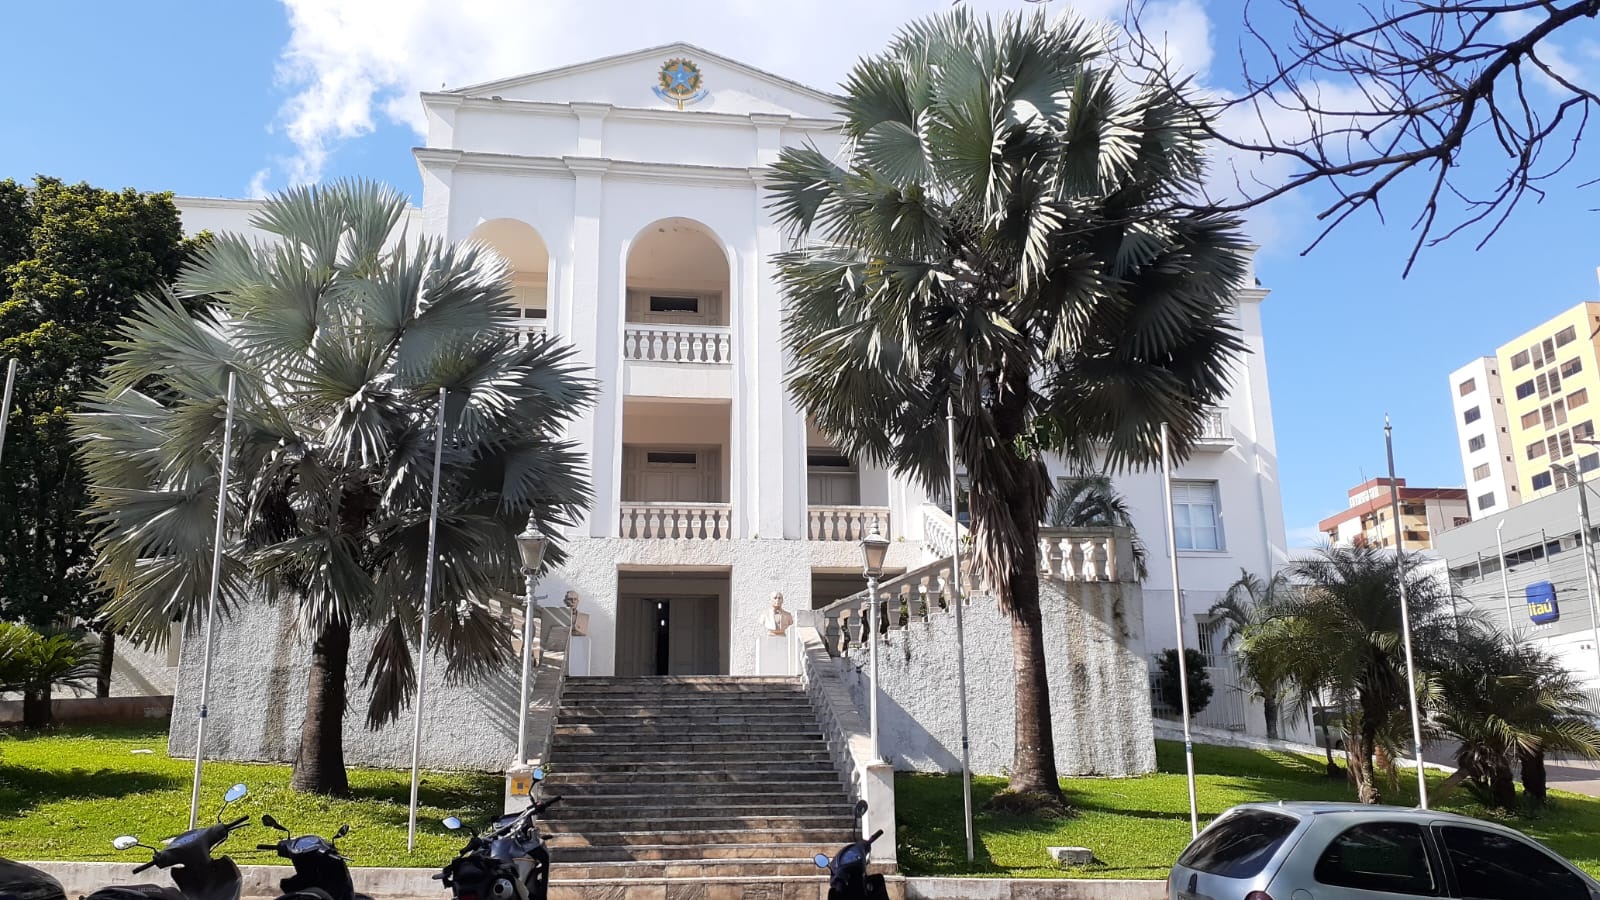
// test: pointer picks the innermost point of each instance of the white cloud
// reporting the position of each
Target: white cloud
(258, 184)
(350, 65)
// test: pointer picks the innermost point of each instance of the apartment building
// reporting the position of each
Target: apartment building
(1424, 513)
(1535, 391)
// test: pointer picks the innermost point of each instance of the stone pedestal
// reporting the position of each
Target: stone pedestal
(519, 781)
(774, 655)
(578, 656)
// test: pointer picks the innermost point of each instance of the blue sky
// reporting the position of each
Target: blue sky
(212, 99)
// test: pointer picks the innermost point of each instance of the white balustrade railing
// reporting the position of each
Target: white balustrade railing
(678, 521)
(1214, 425)
(529, 330)
(845, 523)
(701, 344)
(939, 531)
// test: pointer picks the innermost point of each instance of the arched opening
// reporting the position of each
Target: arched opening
(524, 250)
(677, 274)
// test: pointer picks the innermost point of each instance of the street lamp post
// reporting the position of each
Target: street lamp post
(874, 547)
(531, 545)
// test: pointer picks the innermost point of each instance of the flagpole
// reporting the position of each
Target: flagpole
(211, 601)
(1405, 615)
(5, 403)
(1177, 619)
(427, 613)
(961, 642)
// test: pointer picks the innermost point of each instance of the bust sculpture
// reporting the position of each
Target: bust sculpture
(777, 619)
(580, 621)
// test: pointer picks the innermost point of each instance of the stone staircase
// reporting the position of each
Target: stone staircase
(702, 780)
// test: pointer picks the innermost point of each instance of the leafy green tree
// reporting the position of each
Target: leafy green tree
(1091, 500)
(341, 334)
(1242, 612)
(1342, 630)
(999, 233)
(1200, 689)
(33, 664)
(73, 258)
(1506, 704)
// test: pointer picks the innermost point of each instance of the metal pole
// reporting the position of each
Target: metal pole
(1505, 586)
(1591, 578)
(872, 623)
(1177, 621)
(531, 584)
(961, 643)
(1405, 616)
(211, 603)
(427, 613)
(5, 402)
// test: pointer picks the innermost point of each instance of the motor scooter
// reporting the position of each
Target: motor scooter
(507, 862)
(20, 882)
(320, 871)
(847, 870)
(188, 857)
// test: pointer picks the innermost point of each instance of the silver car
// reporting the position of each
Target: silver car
(1345, 851)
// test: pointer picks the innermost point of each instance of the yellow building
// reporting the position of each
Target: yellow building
(1550, 376)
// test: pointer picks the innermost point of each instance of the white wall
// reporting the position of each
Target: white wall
(1489, 397)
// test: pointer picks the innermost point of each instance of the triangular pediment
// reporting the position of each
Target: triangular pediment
(702, 81)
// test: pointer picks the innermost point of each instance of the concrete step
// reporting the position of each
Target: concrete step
(766, 756)
(696, 721)
(670, 766)
(680, 852)
(599, 744)
(810, 778)
(646, 805)
(626, 731)
(702, 868)
(836, 838)
(585, 822)
(631, 706)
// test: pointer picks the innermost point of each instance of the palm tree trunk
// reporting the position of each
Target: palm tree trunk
(1269, 708)
(319, 767)
(1534, 779)
(1033, 770)
(108, 651)
(1361, 762)
(36, 711)
(1503, 787)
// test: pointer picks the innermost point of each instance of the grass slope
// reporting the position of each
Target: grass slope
(1138, 826)
(65, 795)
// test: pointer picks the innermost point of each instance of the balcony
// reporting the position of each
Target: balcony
(845, 523)
(677, 521)
(529, 330)
(706, 345)
(1216, 433)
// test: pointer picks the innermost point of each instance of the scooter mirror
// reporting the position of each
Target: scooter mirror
(453, 823)
(235, 793)
(538, 774)
(270, 822)
(126, 842)
(821, 859)
(343, 830)
(861, 808)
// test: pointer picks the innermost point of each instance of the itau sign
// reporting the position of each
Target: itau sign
(1542, 606)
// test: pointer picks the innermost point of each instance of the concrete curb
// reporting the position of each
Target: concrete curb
(1033, 889)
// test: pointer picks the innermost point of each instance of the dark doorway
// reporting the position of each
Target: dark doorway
(662, 620)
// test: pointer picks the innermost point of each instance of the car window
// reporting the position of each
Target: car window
(1492, 866)
(1379, 856)
(1238, 846)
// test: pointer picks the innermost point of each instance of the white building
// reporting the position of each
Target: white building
(1478, 403)
(638, 230)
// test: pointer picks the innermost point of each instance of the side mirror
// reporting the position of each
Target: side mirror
(270, 822)
(235, 793)
(343, 830)
(861, 808)
(453, 823)
(538, 774)
(821, 859)
(126, 842)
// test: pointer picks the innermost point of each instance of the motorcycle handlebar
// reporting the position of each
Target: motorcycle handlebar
(138, 869)
(266, 846)
(236, 823)
(875, 835)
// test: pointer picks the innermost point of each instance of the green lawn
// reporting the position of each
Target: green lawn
(66, 795)
(1138, 826)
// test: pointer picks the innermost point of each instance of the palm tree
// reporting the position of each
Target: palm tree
(33, 663)
(1341, 629)
(341, 334)
(1241, 613)
(1091, 500)
(1000, 234)
(1507, 704)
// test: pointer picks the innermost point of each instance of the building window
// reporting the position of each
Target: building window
(1531, 419)
(671, 458)
(1485, 501)
(1571, 367)
(1196, 515)
(1541, 481)
(675, 304)
(1549, 415)
(1468, 386)
(1566, 335)
(1549, 345)
(1553, 444)
(1537, 355)
(1589, 463)
(1543, 384)
(1475, 443)
(1481, 472)
(1525, 390)
(1536, 449)
(1519, 360)
(1472, 415)
(1583, 431)
(1577, 399)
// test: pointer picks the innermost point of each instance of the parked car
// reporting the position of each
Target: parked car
(1329, 725)
(1346, 851)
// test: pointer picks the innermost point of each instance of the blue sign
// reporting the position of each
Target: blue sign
(1542, 606)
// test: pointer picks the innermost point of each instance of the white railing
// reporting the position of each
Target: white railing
(528, 330)
(678, 521)
(1214, 425)
(699, 344)
(845, 523)
(939, 531)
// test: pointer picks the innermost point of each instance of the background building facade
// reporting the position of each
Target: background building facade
(1424, 513)
(1484, 436)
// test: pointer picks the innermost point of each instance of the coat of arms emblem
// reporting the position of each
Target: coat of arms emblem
(680, 82)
